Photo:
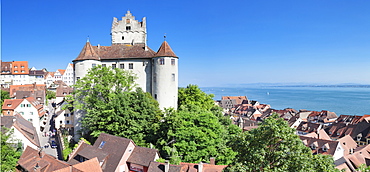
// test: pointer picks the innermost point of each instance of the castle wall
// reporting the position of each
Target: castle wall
(140, 67)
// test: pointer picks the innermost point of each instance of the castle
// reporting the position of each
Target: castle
(157, 72)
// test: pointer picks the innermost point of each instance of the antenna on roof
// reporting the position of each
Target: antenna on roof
(165, 36)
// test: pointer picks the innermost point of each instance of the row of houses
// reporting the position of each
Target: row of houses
(18, 73)
(108, 153)
(346, 138)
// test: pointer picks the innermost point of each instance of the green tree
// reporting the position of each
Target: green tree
(50, 95)
(192, 95)
(10, 153)
(4, 95)
(273, 146)
(111, 106)
(192, 136)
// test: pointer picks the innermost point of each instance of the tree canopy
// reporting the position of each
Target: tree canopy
(273, 146)
(196, 131)
(4, 95)
(10, 153)
(114, 106)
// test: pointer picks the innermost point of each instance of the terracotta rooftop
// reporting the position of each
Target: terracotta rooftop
(31, 159)
(165, 51)
(11, 104)
(142, 156)
(87, 53)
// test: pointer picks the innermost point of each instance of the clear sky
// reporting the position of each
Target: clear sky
(218, 42)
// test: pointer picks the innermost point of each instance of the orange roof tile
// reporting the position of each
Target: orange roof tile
(11, 104)
(87, 53)
(165, 51)
(61, 71)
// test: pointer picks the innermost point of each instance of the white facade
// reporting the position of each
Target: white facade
(18, 136)
(81, 68)
(128, 30)
(157, 72)
(29, 112)
(68, 75)
(15, 79)
(165, 81)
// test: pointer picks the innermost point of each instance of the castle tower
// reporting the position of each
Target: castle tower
(128, 30)
(87, 59)
(165, 77)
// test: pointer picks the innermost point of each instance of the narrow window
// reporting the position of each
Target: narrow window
(123, 38)
(122, 66)
(173, 77)
(161, 61)
(128, 27)
(154, 78)
(104, 65)
(173, 62)
(131, 66)
(113, 66)
(155, 96)
(67, 121)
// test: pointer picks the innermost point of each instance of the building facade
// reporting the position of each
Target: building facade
(157, 72)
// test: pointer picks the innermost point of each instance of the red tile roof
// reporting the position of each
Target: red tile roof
(32, 158)
(11, 104)
(165, 51)
(87, 53)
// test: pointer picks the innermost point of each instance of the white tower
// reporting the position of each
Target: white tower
(165, 77)
(87, 59)
(128, 30)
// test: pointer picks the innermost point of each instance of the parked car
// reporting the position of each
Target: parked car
(53, 144)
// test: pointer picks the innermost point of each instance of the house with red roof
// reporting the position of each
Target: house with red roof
(23, 131)
(37, 160)
(37, 91)
(115, 154)
(30, 109)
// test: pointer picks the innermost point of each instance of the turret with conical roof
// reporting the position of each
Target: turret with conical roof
(165, 77)
(87, 59)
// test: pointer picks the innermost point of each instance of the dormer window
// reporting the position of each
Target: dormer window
(325, 147)
(314, 145)
(9, 105)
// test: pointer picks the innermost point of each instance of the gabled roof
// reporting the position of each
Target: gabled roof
(31, 158)
(61, 71)
(320, 144)
(11, 104)
(121, 51)
(27, 87)
(87, 53)
(347, 143)
(37, 105)
(165, 51)
(112, 150)
(160, 167)
(142, 156)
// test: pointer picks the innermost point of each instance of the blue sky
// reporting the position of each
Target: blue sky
(218, 42)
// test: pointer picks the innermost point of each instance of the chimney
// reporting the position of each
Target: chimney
(212, 161)
(200, 166)
(166, 166)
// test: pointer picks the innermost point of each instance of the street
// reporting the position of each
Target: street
(46, 139)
